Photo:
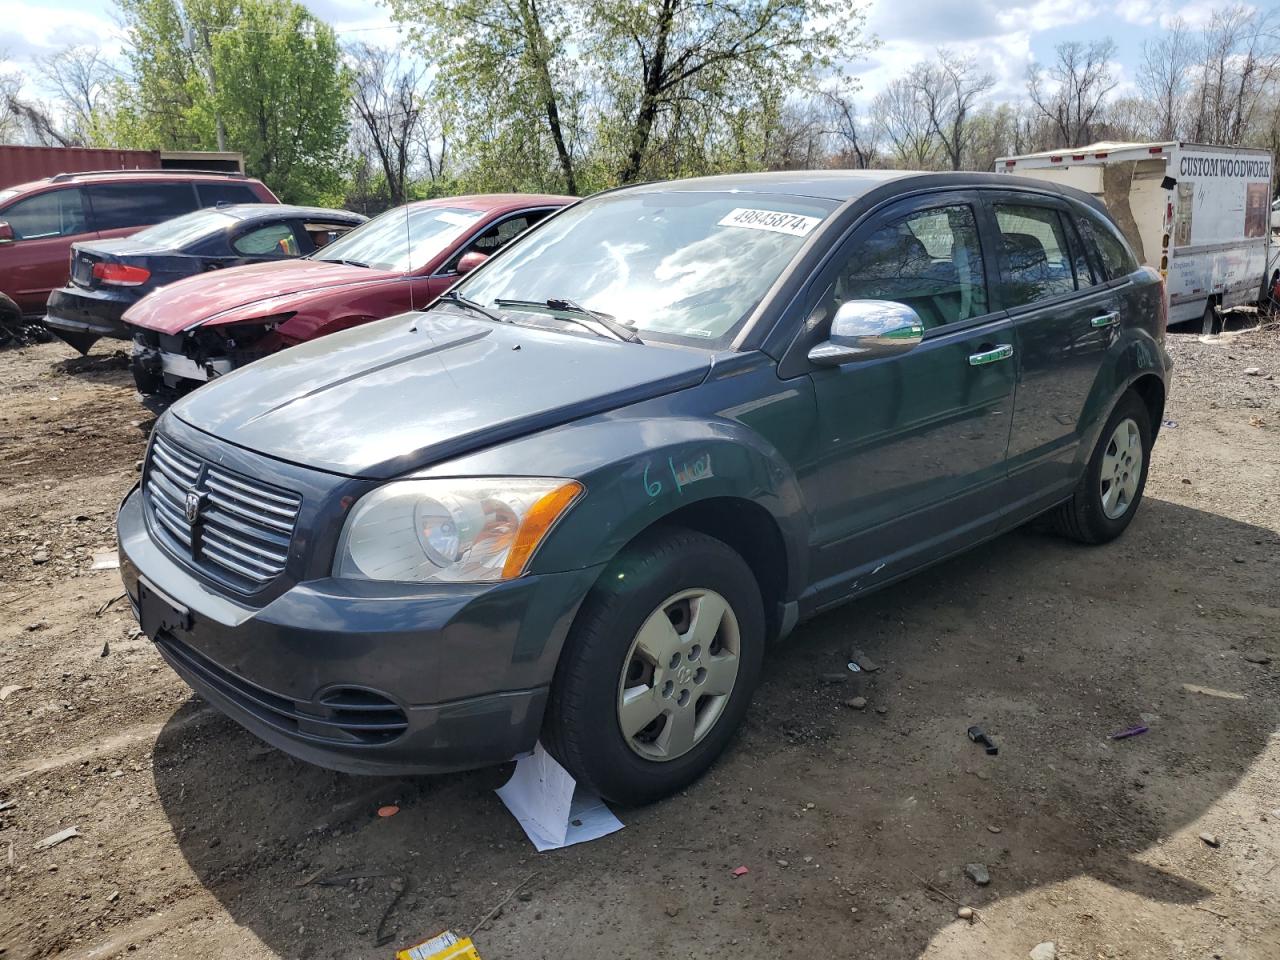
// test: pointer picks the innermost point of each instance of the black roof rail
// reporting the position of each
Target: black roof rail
(64, 177)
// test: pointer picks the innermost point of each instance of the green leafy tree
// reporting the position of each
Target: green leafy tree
(263, 77)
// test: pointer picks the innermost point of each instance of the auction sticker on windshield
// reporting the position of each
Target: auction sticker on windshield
(773, 220)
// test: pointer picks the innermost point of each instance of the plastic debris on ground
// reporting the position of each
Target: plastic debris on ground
(740, 871)
(54, 839)
(1129, 732)
(390, 810)
(548, 804)
(443, 946)
(107, 560)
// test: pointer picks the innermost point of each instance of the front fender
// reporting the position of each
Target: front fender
(640, 470)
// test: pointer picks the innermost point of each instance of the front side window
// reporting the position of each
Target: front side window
(678, 264)
(120, 205)
(1035, 260)
(55, 213)
(929, 260)
(276, 239)
(1116, 258)
(405, 239)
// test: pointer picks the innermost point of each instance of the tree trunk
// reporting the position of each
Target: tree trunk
(654, 78)
(536, 43)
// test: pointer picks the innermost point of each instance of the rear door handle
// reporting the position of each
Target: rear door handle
(1106, 319)
(1002, 352)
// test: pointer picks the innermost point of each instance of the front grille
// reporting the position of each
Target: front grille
(241, 529)
(346, 715)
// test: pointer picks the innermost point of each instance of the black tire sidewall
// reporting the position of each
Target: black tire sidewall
(1099, 526)
(630, 590)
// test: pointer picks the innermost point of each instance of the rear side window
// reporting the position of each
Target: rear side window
(275, 239)
(55, 213)
(1035, 258)
(118, 205)
(929, 260)
(212, 194)
(1114, 253)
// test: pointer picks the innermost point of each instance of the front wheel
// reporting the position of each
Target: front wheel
(1111, 489)
(659, 667)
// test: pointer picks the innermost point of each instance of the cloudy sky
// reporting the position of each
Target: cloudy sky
(1004, 36)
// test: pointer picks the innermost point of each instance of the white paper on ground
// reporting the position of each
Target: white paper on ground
(544, 798)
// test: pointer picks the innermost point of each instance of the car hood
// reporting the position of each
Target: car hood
(242, 293)
(401, 393)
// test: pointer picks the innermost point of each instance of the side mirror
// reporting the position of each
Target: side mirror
(469, 261)
(868, 330)
(6, 233)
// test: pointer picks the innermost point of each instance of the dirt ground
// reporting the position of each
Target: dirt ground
(856, 825)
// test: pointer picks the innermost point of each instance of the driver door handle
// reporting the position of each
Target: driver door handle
(1002, 351)
(1106, 319)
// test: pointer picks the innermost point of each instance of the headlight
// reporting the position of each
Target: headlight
(451, 529)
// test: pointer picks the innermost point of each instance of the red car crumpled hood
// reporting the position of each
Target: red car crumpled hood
(243, 293)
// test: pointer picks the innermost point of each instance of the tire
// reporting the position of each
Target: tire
(1090, 516)
(1211, 323)
(670, 582)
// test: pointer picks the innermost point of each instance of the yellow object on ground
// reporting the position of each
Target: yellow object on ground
(443, 946)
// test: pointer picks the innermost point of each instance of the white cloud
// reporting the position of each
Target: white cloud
(32, 30)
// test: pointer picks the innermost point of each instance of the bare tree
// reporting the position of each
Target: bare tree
(1164, 77)
(390, 98)
(950, 87)
(854, 141)
(78, 78)
(901, 116)
(1240, 62)
(1071, 92)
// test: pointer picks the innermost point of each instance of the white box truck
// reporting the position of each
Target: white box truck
(1199, 214)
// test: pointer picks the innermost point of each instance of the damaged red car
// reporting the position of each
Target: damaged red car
(200, 328)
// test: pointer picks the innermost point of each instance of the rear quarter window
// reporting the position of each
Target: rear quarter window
(138, 204)
(212, 194)
(1114, 254)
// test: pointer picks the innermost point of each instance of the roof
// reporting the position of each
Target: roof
(1122, 146)
(497, 201)
(116, 176)
(844, 185)
(824, 184)
(261, 211)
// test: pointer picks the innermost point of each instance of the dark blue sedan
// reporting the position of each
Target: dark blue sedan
(109, 276)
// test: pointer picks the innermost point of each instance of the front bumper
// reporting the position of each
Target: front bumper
(83, 316)
(364, 677)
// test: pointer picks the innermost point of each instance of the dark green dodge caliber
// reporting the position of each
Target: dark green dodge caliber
(577, 496)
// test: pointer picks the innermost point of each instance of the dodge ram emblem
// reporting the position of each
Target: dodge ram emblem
(192, 506)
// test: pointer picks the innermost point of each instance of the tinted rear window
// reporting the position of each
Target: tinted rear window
(1117, 261)
(117, 205)
(212, 194)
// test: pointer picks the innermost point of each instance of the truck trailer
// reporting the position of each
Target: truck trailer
(1199, 214)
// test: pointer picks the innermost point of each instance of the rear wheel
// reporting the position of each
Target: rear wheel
(1211, 322)
(1111, 489)
(659, 667)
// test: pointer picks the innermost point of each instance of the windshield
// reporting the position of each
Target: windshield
(388, 243)
(177, 233)
(676, 264)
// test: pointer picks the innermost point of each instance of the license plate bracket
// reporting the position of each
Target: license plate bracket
(160, 613)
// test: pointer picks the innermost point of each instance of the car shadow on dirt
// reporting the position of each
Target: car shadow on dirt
(854, 823)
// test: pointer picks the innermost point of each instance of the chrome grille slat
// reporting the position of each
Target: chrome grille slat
(233, 506)
(244, 527)
(266, 558)
(217, 477)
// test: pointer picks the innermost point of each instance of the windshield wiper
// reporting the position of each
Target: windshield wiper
(453, 296)
(349, 263)
(564, 305)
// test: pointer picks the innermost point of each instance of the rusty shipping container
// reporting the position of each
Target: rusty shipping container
(21, 164)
